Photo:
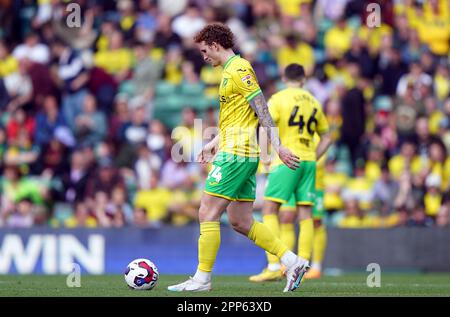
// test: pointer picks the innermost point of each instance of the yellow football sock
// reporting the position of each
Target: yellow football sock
(305, 238)
(287, 235)
(271, 221)
(320, 243)
(264, 238)
(208, 245)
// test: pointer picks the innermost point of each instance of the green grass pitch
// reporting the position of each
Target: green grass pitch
(229, 286)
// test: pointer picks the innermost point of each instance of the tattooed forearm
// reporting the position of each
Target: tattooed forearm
(261, 109)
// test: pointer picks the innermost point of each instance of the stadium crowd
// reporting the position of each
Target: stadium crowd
(89, 113)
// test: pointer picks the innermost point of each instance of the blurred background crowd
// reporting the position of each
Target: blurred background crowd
(89, 112)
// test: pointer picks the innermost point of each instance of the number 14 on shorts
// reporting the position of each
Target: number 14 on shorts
(215, 173)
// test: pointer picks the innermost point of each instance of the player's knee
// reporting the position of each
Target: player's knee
(317, 223)
(287, 217)
(305, 212)
(270, 208)
(240, 226)
(207, 213)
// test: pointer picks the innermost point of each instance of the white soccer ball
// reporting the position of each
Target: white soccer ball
(141, 274)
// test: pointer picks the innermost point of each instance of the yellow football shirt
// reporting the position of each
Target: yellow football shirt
(433, 203)
(8, 66)
(155, 201)
(237, 120)
(298, 116)
(114, 61)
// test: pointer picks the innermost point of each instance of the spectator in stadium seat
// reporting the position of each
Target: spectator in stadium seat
(157, 138)
(74, 76)
(189, 23)
(438, 160)
(354, 217)
(90, 124)
(443, 217)
(135, 131)
(359, 54)
(127, 18)
(22, 152)
(98, 206)
(19, 122)
(75, 179)
(43, 84)
(146, 72)
(118, 118)
(423, 137)
(441, 82)
(118, 207)
(146, 21)
(353, 121)
(18, 87)
(132, 133)
(414, 47)
(407, 110)
(295, 49)
(329, 10)
(418, 217)
(140, 218)
(53, 158)
(47, 120)
(172, 69)
(338, 39)
(22, 215)
(385, 127)
(415, 77)
(8, 63)
(335, 182)
(165, 37)
(434, 26)
(384, 192)
(187, 136)
(146, 164)
(14, 188)
(433, 196)
(391, 71)
(359, 187)
(104, 179)
(117, 60)
(155, 201)
(32, 49)
(82, 218)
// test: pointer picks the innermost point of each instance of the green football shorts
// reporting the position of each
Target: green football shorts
(318, 209)
(233, 177)
(284, 182)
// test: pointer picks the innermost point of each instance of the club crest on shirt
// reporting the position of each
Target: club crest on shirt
(247, 80)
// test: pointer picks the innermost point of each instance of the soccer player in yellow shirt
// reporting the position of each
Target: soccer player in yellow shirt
(231, 183)
(299, 117)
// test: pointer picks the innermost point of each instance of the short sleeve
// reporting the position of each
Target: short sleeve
(246, 82)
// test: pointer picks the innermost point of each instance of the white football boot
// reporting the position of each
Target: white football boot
(191, 285)
(295, 273)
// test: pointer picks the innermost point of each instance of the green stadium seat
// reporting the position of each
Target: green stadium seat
(127, 87)
(195, 90)
(169, 118)
(164, 88)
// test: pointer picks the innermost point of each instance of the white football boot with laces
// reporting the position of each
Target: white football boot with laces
(295, 274)
(191, 285)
